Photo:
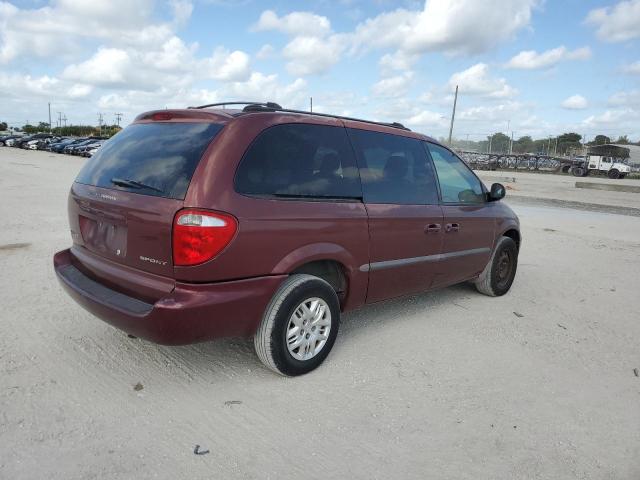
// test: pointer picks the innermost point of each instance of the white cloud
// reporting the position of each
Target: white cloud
(629, 99)
(227, 66)
(427, 119)
(265, 52)
(530, 59)
(294, 24)
(314, 48)
(109, 67)
(618, 120)
(60, 29)
(633, 68)
(442, 25)
(312, 55)
(396, 62)
(395, 86)
(575, 102)
(618, 23)
(267, 87)
(182, 10)
(476, 80)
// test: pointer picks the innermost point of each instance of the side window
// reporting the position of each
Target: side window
(393, 169)
(458, 184)
(300, 160)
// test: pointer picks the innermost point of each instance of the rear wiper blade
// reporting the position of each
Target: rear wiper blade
(125, 182)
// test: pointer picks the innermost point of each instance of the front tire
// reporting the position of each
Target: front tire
(497, 277)
(613, 174)
(299, 326)
(577, 171)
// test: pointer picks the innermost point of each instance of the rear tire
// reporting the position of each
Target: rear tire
(613, 174)
(497, 277)
(577, 171)
(299, 326)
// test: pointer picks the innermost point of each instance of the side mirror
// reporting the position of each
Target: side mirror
(497, 192)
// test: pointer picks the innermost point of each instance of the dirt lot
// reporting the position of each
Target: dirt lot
(446, 385)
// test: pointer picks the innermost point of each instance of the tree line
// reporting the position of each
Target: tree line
(68, 131)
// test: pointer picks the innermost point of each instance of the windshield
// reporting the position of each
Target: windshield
(150, 158)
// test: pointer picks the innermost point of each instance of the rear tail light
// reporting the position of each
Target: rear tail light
(200, 235)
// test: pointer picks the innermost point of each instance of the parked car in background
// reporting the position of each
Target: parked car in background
(60, 146)
(70, 149)
(190, 225)
(8, 140)
(31, 144)
(84, 150)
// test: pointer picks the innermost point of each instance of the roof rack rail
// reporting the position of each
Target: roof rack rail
(268, 105)
(273, 107)
(385, 124)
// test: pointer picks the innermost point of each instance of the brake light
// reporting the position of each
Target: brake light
(161, 116)
(200, 235)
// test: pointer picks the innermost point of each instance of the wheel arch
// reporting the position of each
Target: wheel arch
(514, 234)
(332, 263)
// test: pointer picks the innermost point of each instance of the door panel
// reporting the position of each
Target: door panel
(403, 252)
(469, 220)
(405, 221)
(465, 250)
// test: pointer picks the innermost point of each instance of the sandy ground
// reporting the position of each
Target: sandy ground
(538, 384)
(559, 190)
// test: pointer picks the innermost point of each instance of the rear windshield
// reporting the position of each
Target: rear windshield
(150, 158)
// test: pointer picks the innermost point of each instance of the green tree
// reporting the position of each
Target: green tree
(499, 143)
(568, 142)
(4, 126)
(600, 140)
(523, 145)
(623, 140)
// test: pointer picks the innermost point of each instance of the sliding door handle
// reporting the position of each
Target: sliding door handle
(452, 227)
(432, 228)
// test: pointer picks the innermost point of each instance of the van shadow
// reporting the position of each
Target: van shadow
(229, 358)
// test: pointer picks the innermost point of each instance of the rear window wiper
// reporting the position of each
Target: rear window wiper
(125, 182)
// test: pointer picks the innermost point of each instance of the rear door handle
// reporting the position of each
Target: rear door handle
(432, 228)
(452, 227)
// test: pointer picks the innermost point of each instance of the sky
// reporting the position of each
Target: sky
(531, 67)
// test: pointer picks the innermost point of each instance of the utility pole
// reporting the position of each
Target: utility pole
(453, 115)
(511, 144)
(64, 119)
(490, 141)
(100, 122)
(555, 148)
(59, 119)
(118, 117)
(311, 104)
(50, 117)
(549, 147)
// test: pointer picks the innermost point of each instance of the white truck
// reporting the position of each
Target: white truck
(599, 165)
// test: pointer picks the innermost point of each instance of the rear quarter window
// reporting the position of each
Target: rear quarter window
(157, 158)
(300, 160)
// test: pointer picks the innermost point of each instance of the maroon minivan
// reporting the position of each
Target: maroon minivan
(208, 222)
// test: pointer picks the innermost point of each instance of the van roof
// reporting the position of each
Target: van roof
(218, 113)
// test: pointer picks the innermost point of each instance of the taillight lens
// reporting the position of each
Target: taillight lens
(200, 235)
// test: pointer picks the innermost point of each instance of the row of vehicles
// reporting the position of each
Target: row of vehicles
(84, 146)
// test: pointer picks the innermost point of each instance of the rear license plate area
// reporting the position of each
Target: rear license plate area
(104, 237)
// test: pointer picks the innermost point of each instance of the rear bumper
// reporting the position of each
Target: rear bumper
(191, 313)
